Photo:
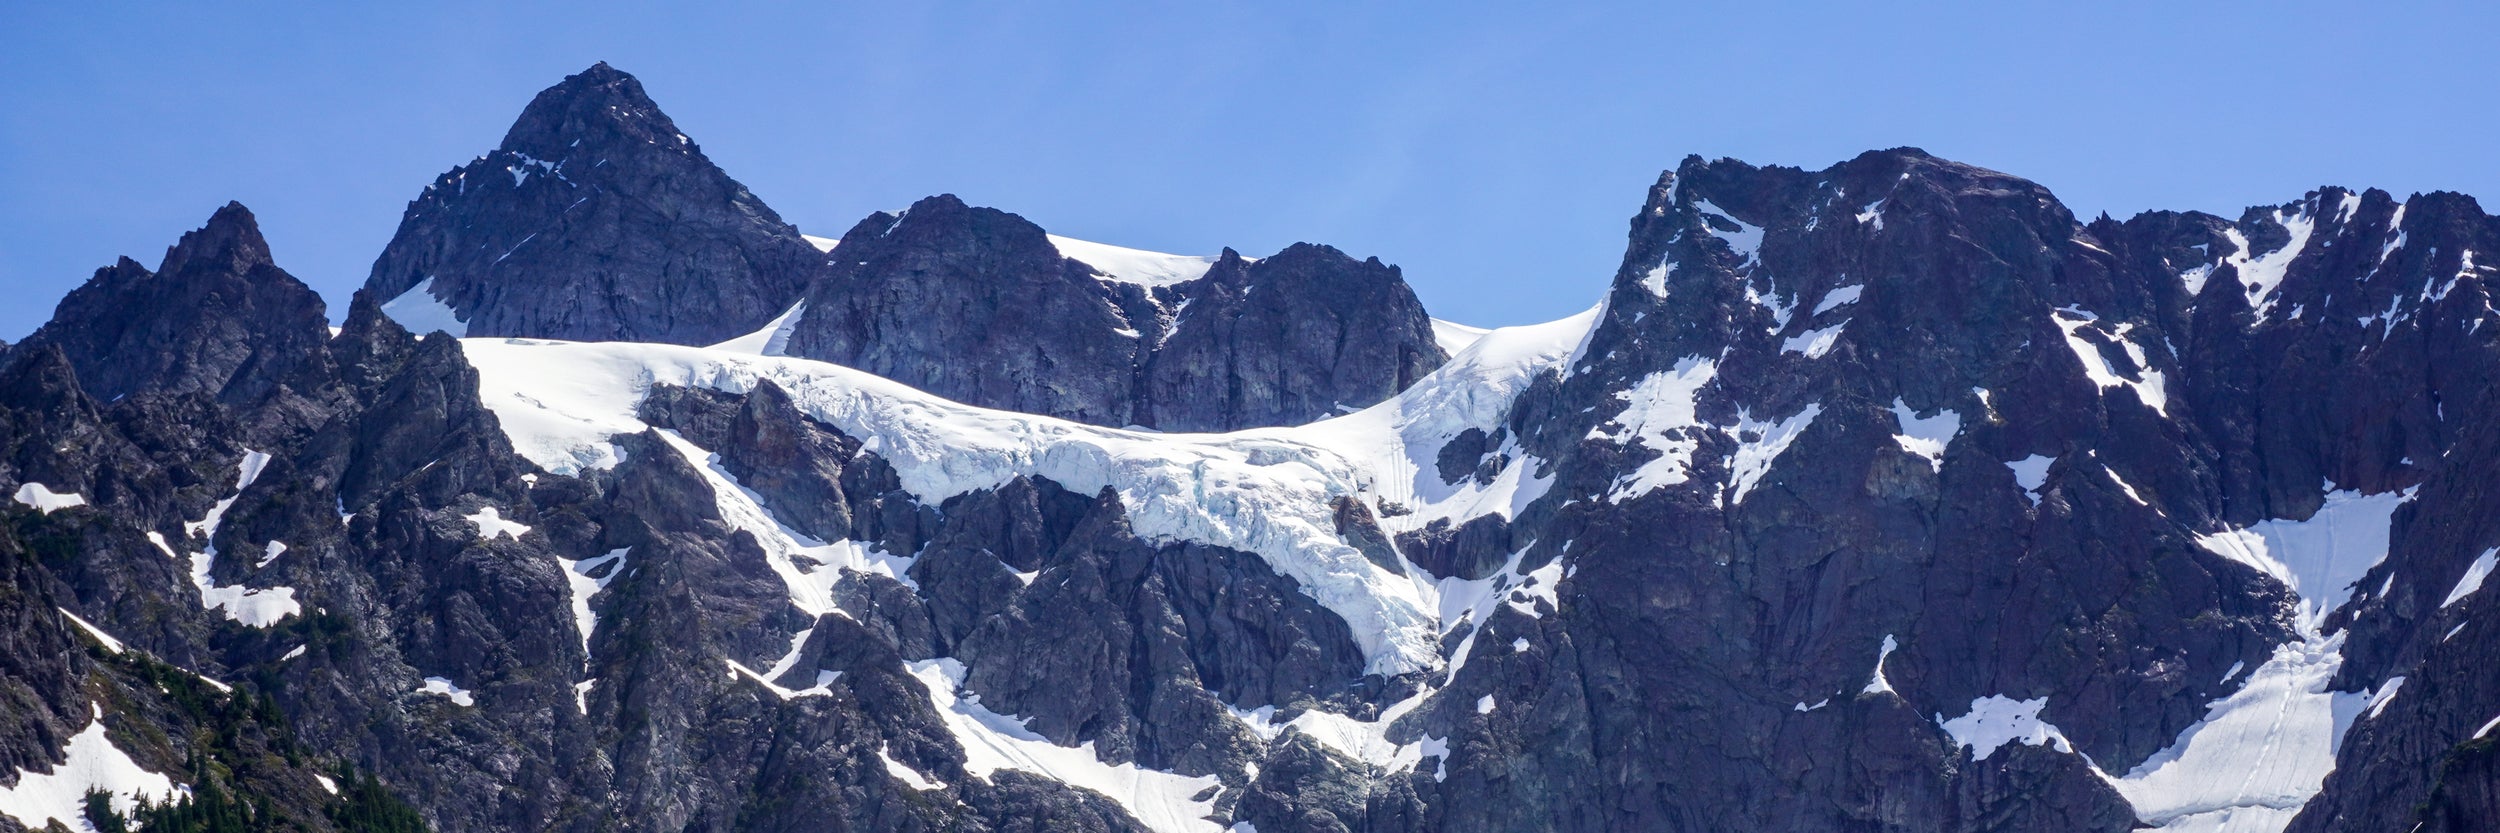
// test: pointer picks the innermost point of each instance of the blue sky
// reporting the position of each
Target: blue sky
(1494, 151)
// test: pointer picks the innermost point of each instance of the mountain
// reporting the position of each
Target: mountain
(982, 306)
(597, 219)
(1885, 497)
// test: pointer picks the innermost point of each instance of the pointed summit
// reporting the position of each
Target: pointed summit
(596, 220)
(231, 240)
(600, 107)
(217, 318)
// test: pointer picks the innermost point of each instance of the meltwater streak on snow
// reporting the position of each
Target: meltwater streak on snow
(1162, 801)
(1265, 491)
(92, 762)
(1137, 266)
(2264, 751)
(418, 310)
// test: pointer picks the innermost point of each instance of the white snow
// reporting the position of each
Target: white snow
(1928, 436)
(1451, 335)
(490, 523)
(2261, 752)
(909, 776)
(1838, 297)
(443, 686)
(1758, 444)
(822, 244)
(1814, 343)
(91, 762)
(1162, 801)
(2319, 558)
(809, 568)
(1659, 414)
(1745, 241)
(1879, 685)
(1137, 266)
(2474, 575)
(2147, 384)
(326, 784)
(110, 644)
(578, 581)
(773, 339)
(1996, 720)
(1484, 704)
(2194, 278)
(2486, 729)
(2031, 473)
(297, 652)
(1873, 213)
(2261, 274)
(421, 312)
(253, 606)
(1265, 491)
(43, 499)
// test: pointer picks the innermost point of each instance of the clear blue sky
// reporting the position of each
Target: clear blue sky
(1496, 152)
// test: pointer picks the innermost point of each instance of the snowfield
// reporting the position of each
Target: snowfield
(1265, 491)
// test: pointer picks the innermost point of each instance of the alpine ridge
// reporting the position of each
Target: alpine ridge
(1885, 497)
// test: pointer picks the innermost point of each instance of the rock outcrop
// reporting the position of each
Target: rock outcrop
(597, 219)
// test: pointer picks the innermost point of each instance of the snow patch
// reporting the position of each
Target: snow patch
(1996, 720)
(1837, 298)
(1879, 685)
(107, 640)
(2319, 558)
(2261, 274)
(2473, 579)
(1659, 414)
(1761, 443)
(1162, 801)
(580, 584)
(1137, 266)
(2031, 473)
(490, 523)
(1814, 343)
(909, 776)
(90, 762)
(1450, 335)
(256, 607)
(1925, 437)
(443, 687)
(421, 312)
(42, 499)
(2147, 382)
(773, 339)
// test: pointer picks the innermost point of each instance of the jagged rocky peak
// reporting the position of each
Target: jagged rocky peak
(976, 305)
(597, 219)
(985, 307)
(217, 318)
(603, 108)
(1305, 334)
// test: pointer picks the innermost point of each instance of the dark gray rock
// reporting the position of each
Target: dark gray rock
(977, 305)
(597, 220)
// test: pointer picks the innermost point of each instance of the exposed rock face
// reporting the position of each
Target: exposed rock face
(1306, 334)
(978, 305)
(596, 220)
(217, 317)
